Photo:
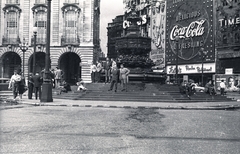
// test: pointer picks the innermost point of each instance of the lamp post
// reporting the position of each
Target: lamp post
(203, 55)
(47, 81)
(177, 46)
(24, 47)
(34, 50)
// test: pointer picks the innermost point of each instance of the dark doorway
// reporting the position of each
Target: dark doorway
(70, 65)
(10, 61)
(40, 62)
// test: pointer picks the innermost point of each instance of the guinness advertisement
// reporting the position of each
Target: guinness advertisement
(192, 22)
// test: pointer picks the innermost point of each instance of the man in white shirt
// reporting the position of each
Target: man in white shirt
(58, 77)
(98, 72)
(222, 87)
(93, 70)
(14, 83)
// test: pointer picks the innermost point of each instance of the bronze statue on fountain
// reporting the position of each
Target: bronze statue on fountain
(133, 49)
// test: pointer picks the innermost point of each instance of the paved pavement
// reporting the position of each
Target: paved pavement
(231, 105)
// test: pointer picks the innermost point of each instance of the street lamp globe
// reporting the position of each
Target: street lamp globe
(35, 29)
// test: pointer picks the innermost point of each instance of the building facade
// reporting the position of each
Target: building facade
(114, 30)
(74, 36)
(228, 35)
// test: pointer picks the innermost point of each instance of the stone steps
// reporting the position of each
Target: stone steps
(138, 92)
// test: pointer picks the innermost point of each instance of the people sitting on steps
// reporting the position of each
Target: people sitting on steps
(209, 88)
(64, 87)
(81, 86)
(187, 88)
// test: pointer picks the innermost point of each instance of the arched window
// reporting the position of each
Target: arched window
(40, 20)
(11, 24)
(70, 25)
(237, 37)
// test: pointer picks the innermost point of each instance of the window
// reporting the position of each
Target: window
(41, 24)
(40, 21)
(12, 1)
(40, 1)
(70, 26)
(70, 1)
(11, 25)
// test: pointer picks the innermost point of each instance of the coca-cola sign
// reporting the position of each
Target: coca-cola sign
(193, 30)
(191, 22)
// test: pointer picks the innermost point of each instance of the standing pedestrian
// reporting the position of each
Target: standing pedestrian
(14, 84)
(22, 85)
(58, 77)
(124, 76)
(115, 77)
(107, 70)
(98, 72)
(37, 80)
(30, 85)
(113, 63)
(222, 87)
(93, 69)
(53, 78)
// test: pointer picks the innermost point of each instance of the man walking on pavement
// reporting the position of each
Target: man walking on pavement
(14, 83)
(30, 85)
(37, 80)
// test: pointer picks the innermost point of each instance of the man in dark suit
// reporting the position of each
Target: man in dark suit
(107, 68)
(115, 78)
(37, 80)
(30, 86)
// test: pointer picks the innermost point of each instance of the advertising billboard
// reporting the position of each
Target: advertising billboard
(192, 22)
(232, 81)
(158, 33)
(228, 23)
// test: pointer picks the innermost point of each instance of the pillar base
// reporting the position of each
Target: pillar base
(46, 93)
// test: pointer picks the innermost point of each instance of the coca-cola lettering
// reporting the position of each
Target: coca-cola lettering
(194, 29)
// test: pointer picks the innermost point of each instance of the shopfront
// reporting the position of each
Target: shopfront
(193, 71)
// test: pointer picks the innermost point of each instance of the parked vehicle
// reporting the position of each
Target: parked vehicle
(198, 88)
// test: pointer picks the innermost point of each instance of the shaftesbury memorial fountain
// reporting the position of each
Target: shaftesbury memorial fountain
(133, 49)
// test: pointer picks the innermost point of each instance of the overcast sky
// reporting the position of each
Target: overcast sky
(109, 9)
